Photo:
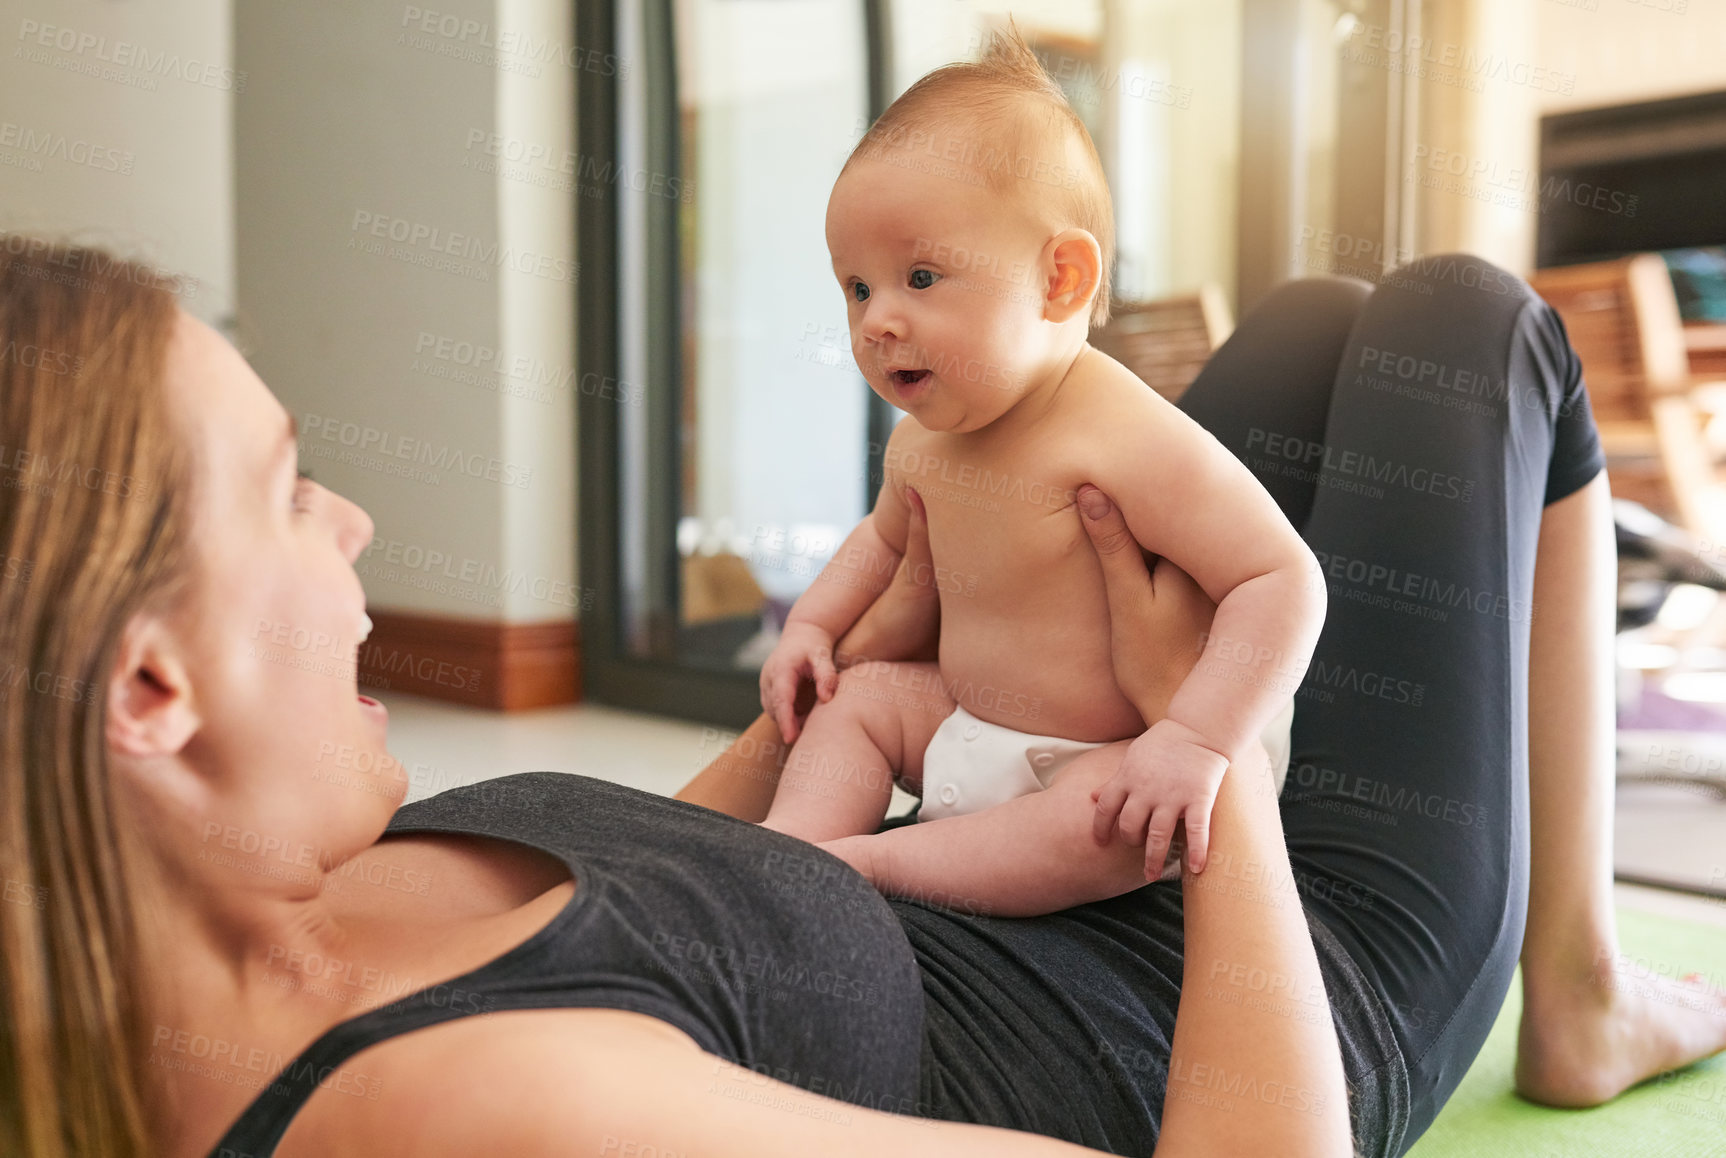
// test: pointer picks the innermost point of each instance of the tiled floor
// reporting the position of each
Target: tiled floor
(443, 745)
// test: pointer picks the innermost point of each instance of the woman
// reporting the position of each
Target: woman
(210, 945)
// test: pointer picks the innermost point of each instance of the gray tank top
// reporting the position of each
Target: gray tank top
(777, 956)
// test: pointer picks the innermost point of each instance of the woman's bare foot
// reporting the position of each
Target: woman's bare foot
(1587, 1040)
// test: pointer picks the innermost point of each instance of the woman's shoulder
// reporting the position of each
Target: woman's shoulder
(564, 812)
(523, 1082)
(617, 829)
(527, 791)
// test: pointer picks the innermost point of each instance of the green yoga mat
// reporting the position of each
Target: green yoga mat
(1679, 1115)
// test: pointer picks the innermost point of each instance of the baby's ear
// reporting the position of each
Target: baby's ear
(1075, 264)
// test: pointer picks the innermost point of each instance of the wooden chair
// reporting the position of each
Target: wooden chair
(1622, 318)
(1166, 342)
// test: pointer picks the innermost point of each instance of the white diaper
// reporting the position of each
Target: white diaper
(971, 764)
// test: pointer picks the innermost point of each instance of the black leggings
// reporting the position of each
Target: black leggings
(1413, 432)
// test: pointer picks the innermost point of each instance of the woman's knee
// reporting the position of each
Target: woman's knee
(1426, 275)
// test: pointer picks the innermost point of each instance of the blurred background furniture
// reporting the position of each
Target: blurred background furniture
(1706, 344)
(1699, 280)
(1168, 341)
(1622, 317)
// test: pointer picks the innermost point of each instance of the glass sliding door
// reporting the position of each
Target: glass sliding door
(773, 422)
(738, 456)
(737, 444)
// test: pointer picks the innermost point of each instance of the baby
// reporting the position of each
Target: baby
(972, 233)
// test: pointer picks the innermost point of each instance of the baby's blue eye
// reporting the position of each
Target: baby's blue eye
(922, 278)
(859, 291)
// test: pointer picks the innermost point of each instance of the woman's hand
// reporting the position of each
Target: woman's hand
(1158, 616)
(1157, 621)
(1243, 912)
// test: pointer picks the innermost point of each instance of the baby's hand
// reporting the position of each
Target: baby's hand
(1168, 775)
(803, 651)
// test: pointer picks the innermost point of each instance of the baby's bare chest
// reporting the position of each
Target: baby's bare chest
(1002, 526)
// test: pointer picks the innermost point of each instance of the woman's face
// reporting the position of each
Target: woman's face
(291, 759)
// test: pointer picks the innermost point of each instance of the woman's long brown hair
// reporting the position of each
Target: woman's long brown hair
(93, 493)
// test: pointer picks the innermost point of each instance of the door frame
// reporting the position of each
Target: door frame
(611, 674)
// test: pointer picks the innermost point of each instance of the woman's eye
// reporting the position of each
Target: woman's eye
(859, 291)
(922, 278)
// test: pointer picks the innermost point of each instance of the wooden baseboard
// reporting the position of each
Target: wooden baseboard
(506, 666)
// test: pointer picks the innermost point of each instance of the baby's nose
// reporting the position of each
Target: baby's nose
(881, 330)
(881, 323)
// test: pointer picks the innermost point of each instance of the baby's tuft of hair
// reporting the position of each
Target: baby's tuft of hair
(1021, 132)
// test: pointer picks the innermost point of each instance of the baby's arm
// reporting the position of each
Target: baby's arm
(1192, 501)
(1030, 855)
(859, 571)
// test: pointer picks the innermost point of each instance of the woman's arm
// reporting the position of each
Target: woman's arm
(740, 780)
(1227, 532)
(1255, 1066)
(902, 624)
(616, 1085)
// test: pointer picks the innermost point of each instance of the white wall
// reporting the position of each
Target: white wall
(1475, 165)
(357, 119)
(237, 144)
(1590, 53)
(1622, 50)
(536, 316)
(115, 129)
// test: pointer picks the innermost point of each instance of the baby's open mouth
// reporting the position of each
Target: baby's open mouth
(908, 377)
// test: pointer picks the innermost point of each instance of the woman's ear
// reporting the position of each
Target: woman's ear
(1075, 264)
(149, 692)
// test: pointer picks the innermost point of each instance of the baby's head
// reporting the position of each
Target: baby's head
(972, 232)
